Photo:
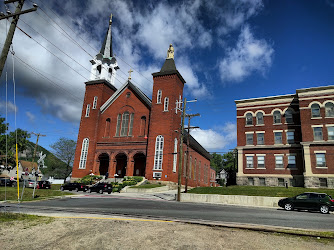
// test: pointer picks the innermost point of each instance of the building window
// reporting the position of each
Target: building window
(288, 116)
(87, 110)
(291, 161)
(175, 155)
(125, 124)
(110, 73)
(128, 95)
(260, 162)
(321, 160)
(315, 110)
(159, 148)
(142, 125)
(278, 137)
(84, 153)
(262, 181)
(249, 119)
(199, 170)
(330, 131)
(260, 138)
(280, 182)
(277, 117)
(290, 137)
(250, 181)
(95, 102)
(195, 165)
(279, 161)
(259, 118)
(98, 71)
(317, 133)
(157, 175)
(249, 139)
(249, 162)
(323, 182)
(131, 124)
(107, 128)
(166, 104)
(190, 166)
(118, 126)
(185, 165)
(329, 108)
(159, 96)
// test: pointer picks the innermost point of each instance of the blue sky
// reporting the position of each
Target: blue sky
(225, 50)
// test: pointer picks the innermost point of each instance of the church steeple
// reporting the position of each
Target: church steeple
(104, 65)
(106, 49)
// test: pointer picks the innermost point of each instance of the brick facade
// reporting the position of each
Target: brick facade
(297, 148)
(120, 132)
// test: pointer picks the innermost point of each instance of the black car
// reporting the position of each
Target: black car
(309, 201)
(74, 186)
(7, 182)
(43, 185)
(101, 188)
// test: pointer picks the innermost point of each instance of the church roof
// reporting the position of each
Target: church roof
(127, 84)
(106, 49)
(169, 68)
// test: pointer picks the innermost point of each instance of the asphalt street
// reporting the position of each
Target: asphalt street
(146, 207)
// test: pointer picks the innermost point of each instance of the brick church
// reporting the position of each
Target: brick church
(125, 133)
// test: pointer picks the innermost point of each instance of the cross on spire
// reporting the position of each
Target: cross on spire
(130, 74)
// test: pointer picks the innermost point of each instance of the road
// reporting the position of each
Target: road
(145, 207)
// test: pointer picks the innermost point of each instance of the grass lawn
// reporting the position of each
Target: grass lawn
(259, 191)
(148, 186)
(11, 193)
(6, 218)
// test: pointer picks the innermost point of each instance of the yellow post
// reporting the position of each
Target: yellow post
(17, 175)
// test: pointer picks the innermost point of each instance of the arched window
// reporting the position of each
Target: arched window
(329, 108)
(288, 116)
(107, 128)
(315, 110)
(249, 119)
(159, 148)
(125, 124)
(131, 124)
(95, 102)
(166, 104)
(143, 125)
(277, 117)
(259, 118)
(195, 165)
(98, 70)
(199, 171)
(87, 110)
(118, 126)
(175, 155)
(110, 73)
(84, 152)
(159, 94)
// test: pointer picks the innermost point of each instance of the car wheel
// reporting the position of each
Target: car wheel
(288, 207)
(61, 189)
(76, 189)
(101, 191)
(324, 209)
(89, 190)
(109, 192)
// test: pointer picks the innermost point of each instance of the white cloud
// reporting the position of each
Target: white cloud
(250, 55)
(30, 116)
(10, 107)
(216, 139)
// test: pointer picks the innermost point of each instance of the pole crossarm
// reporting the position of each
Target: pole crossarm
(19, 13)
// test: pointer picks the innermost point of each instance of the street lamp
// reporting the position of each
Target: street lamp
(115, 175)
(91, 176)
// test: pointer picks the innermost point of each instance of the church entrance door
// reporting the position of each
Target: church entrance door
(139, 164)
(104, 163)
(121, 162)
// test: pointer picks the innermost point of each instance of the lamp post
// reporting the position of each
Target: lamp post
(91, 176)
(115, 175)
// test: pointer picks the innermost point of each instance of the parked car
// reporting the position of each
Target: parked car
(100, 188)
(74, 186)
(7, 182)
(29, 183)
(309, 201)
(43, 185)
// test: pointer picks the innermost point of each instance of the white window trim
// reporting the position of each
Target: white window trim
(252, 162)
(278, 131)
(166, 104)
(264, 160)
(158, 152)
(316, 164)
(157, 175)
(94, 102)
(84, 153)
(87, 110)
(260, 132)
(250, 132)
(329, 125)
(277, 168)
(159, 96)
(317, 126)
(320, 152)
(175, 155)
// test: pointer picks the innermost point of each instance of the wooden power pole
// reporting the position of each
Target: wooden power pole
(181, 151)
(12, 28)
(33, 160)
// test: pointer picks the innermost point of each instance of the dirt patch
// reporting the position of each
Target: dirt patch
(104, 233)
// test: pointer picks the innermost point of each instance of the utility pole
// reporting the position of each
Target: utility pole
(188, 143)
(33, 160)
(181, 151)
(12, 28)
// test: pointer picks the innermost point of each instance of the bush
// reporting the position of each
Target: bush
(88, 179)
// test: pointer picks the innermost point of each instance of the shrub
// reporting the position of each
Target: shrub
(88, 179)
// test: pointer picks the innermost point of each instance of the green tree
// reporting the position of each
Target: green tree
(64, 149)
(230, 166)
(216, 162)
